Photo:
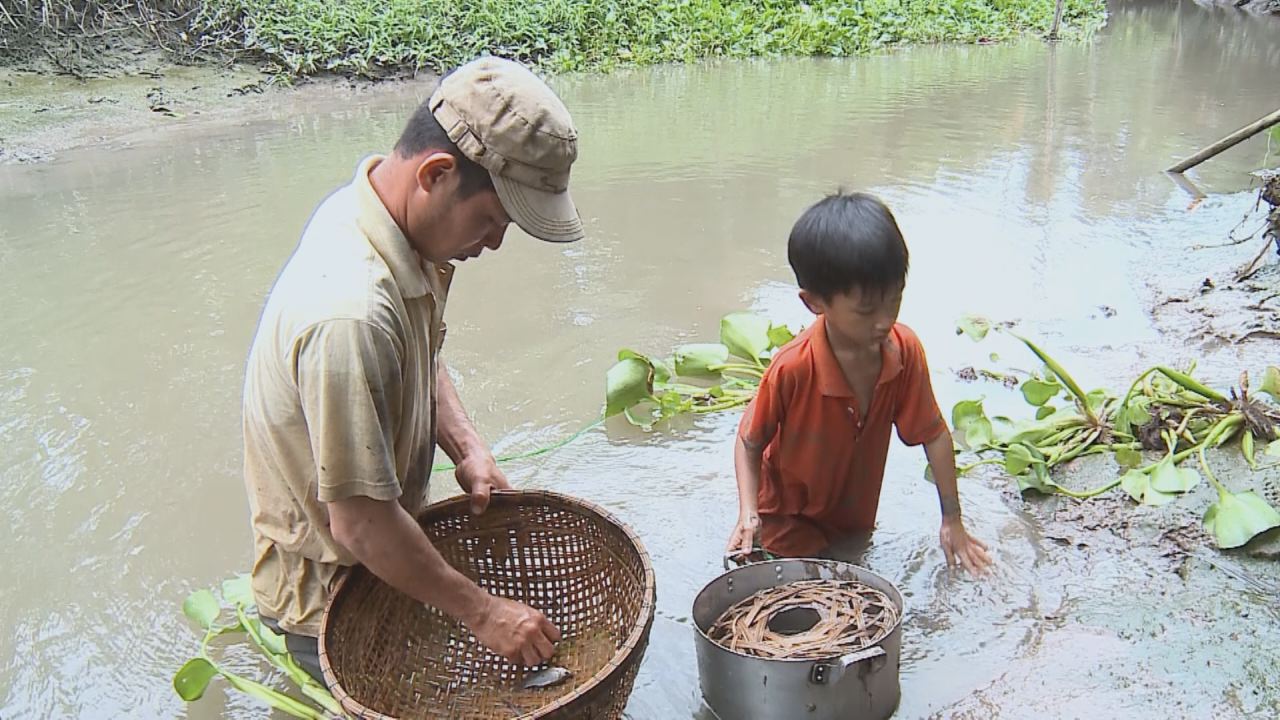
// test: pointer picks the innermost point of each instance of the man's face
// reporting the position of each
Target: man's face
(444, 226)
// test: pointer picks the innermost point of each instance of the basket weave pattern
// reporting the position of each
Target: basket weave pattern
(386, 656)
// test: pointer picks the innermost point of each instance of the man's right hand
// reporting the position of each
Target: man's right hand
(515, 631)
(743, 539)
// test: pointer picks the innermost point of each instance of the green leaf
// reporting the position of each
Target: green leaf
(661, 369)
(1169, 478)
(1037, 479)
(1275, 133)
(1138, 412)
(972, 424)
(994, 357)
(1096, 399)
(1128, 457)
(627, 383)
(1018, 458)
(1246, 448)
(698, 358)
(270, 640)
(780, 335)
(1271, 378)
(1138, 484)
(975, 326)
(1045, 411)
(1236, 518)
(1038, 392)
(202, 607)
(746, 335)
(192, 679)
(1273, 449)
(275, 699)
(238, 591)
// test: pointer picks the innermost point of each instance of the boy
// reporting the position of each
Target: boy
(811, 447)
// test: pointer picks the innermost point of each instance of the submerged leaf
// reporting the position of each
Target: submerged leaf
(202, 607)
(1038, 392)
(746, 335)
(192, 679)
(1169, 478)
(697, 359)
(628, 382)
(1236, 518)
(1138, 484)
(780, 335)
(975, 326)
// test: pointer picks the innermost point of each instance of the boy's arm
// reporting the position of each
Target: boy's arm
(747, 457)
(959, 548)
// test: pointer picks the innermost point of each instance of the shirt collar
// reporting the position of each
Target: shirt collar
(407, 267)
(831, 379)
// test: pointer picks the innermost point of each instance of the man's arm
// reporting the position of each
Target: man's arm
(478, 473)
(455, 433)
(385, 538)
(957, 545)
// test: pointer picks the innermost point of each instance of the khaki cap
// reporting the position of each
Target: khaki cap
(507, 120)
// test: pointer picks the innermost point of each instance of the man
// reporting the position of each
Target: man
(345, 398)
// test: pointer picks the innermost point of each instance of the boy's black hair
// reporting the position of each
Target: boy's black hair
(847, 241)
(424, 132)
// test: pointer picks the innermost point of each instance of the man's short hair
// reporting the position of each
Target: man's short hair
(423, 133)
(847, 241)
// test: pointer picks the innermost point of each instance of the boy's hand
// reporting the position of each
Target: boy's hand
(961, 549)
(743, 538)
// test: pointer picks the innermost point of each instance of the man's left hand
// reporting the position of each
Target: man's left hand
(961, 549)
(478, 475)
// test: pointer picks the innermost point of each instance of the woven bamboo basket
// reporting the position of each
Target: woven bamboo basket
(385, 656)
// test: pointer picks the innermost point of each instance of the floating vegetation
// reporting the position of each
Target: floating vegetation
(696, 378)
(1164, 410)
(193, 678)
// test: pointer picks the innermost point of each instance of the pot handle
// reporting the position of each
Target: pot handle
(757, 554)
(830, 672)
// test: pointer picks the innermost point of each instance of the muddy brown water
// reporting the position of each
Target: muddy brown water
(1025, 177)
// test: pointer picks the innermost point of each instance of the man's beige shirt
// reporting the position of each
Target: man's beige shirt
(339, 396)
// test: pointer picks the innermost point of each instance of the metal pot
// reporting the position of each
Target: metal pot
(861, 686)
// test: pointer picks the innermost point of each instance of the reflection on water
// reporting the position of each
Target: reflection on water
(1024, 176)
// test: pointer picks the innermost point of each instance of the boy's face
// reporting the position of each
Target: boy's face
(859, 318)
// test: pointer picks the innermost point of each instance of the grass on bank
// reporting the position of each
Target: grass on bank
(373, 37)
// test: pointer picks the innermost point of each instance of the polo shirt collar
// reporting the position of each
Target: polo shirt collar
(385, 235)
(831, 379)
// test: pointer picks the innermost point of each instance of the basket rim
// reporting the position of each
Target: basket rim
(636, 639)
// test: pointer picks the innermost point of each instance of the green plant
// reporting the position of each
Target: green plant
(1164, 409)
(193, 678)
(646, 391)
(371, 36)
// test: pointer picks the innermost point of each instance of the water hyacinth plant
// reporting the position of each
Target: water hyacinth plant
(697, 378)
(193, 678)
(1164, 410)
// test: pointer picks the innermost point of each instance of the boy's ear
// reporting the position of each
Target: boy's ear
(813, 302)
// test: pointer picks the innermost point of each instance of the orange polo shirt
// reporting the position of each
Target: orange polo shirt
(823, 464)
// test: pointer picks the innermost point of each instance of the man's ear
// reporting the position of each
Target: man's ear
(433, 169)
(813, 302)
